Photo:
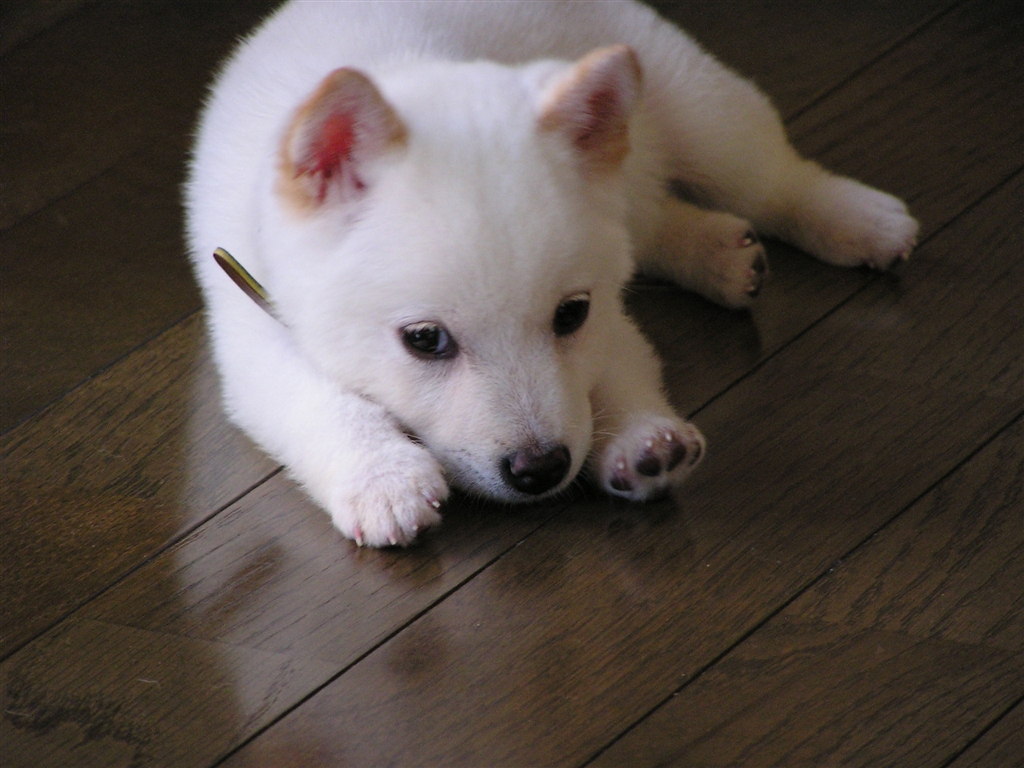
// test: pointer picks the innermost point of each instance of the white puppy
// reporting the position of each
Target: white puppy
(443, 201)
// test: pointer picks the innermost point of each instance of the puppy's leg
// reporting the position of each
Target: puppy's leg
(378, 486)
(723, 137)
(641, 447)
(838, 219)
(715, 254)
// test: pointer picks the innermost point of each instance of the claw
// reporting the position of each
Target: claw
(358, 534)
(393, 541)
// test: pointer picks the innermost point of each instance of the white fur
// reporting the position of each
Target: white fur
(484, 223)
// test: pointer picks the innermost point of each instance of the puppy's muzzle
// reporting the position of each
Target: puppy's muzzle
(535, 470)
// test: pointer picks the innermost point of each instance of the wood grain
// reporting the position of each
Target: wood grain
(22, 19)
(875, 664)
(908, 124)
(125, 697)
(1000, 747)
(84, 283)
(130, 74)
(952, 567)
(98, 116)
(243, 617)
(798, 50)
(328, 598)
(111, 474)
(957, 134)
(799, 693)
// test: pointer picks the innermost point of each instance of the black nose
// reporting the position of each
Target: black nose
(535, 470)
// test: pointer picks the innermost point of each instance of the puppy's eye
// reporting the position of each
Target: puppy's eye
(571, 314)
(429, 340)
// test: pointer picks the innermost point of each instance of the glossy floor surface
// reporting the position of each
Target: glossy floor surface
(841, 584)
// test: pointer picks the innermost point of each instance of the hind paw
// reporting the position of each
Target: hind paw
(730, 266)
(652, 455)
(855, 225)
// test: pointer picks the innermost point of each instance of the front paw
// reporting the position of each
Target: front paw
(387, 497)
(653, 454)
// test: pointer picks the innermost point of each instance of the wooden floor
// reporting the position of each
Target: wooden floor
(841, 584)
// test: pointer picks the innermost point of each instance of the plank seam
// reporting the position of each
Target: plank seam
(99, 174)
(62, 20)
(41, 411)
(921, 27)
(170, 543)
(995, 721)
(387, 638)
(981, 199)
(810, 585)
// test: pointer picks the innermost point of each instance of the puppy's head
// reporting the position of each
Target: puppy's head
(450, 241)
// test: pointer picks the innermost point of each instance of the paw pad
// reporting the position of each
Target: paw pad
(647, 462)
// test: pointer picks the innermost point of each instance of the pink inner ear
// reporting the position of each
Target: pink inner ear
(331, 151)
(602, 109)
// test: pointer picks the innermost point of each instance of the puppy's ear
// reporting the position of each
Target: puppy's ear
(591, 105)
(342, 125)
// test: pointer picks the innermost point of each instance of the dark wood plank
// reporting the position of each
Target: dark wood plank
(900, 655)
(909, 124)
(79, 97)
(954, 135)
(267, 584)
(952, 567)
(91, 277)
(332, 599)
(604, 612)
(98, 116)
(110, 474)
(125, 697)
(974, 280)
(774, 41)
(20, 20)
(800, 693)
(1001, 747)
